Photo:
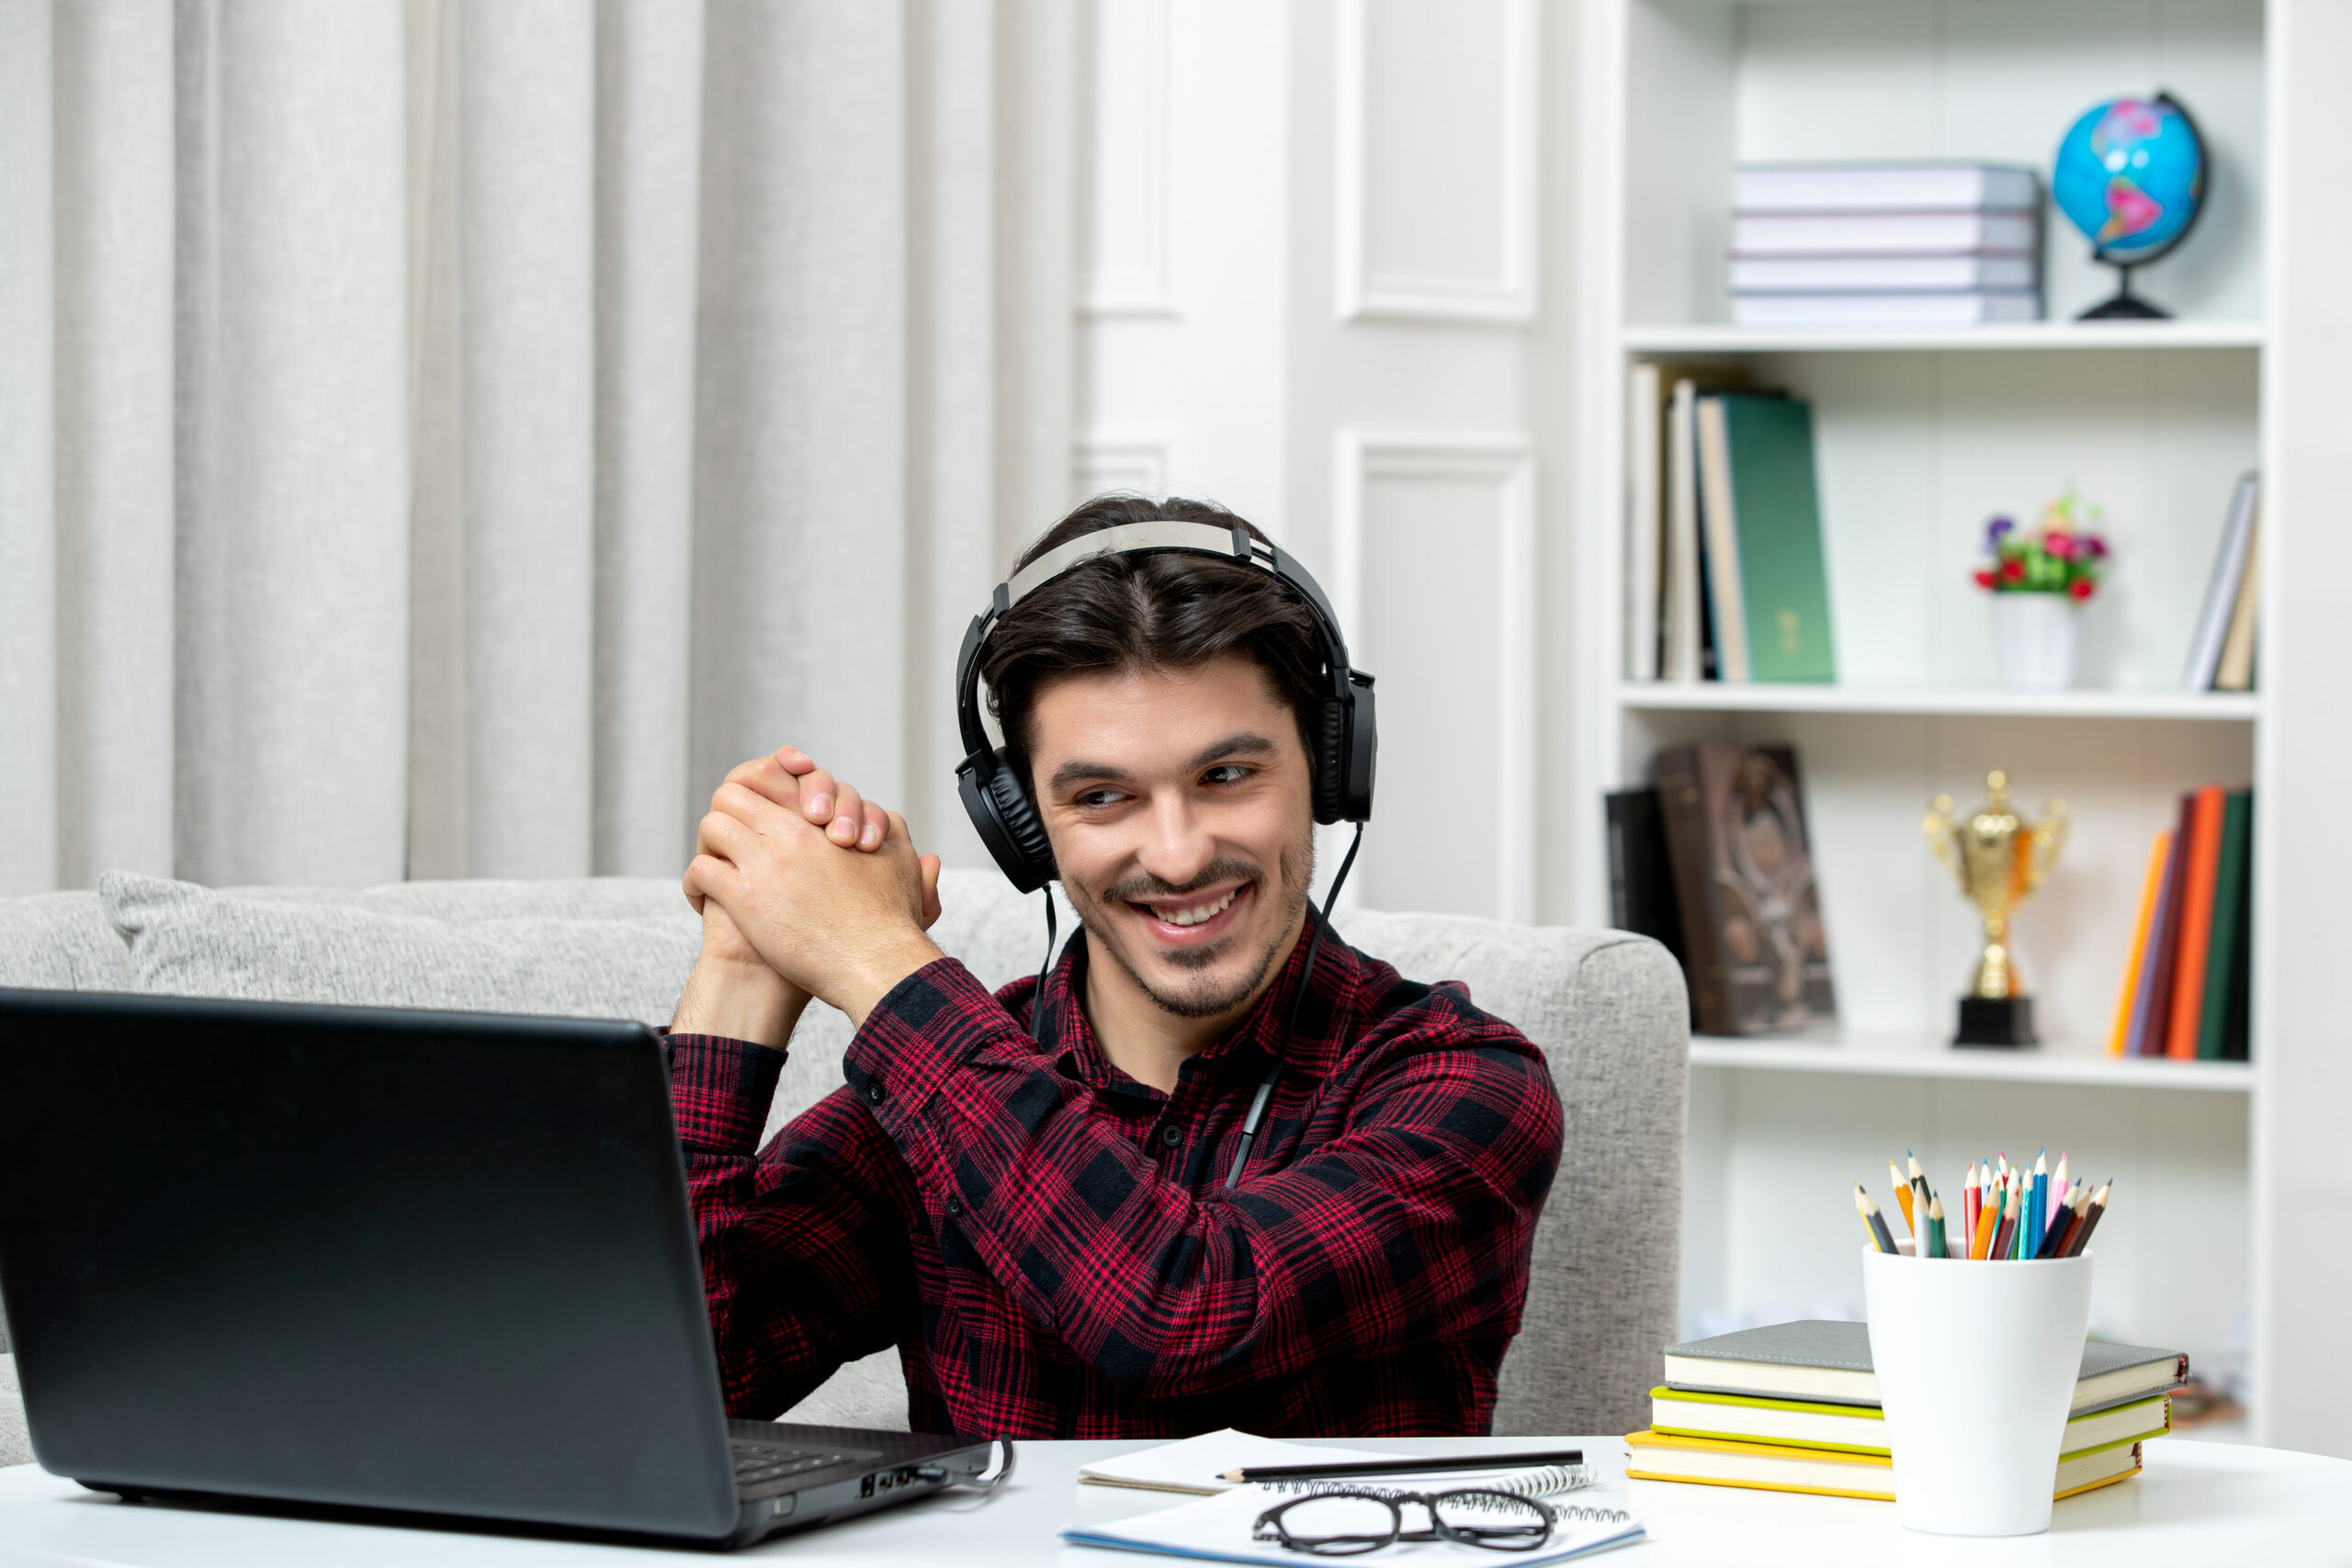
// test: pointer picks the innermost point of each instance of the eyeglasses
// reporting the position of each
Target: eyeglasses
(1345, 1524)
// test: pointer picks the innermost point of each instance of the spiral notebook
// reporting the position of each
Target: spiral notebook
(1222, 1528)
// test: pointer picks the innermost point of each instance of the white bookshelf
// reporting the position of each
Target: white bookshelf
(1920, 436)
(1927, 1056)
(1712, 339)
(1711, 696)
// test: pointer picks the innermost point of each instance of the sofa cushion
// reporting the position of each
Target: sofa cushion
(271, 946)
(61, 942)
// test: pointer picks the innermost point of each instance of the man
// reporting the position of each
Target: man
(1027, 1192)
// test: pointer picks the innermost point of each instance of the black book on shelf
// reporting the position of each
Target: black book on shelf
(2237, 1020)
(1641, 877)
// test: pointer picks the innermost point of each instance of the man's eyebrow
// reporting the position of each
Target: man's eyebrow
(1246, 744)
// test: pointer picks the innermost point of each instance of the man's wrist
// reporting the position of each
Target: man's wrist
(877, 973)
(740, 1000)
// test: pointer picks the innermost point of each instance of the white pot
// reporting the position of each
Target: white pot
(1975, 1454)
(2040, 635)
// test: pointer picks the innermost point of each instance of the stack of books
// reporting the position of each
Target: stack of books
(2186, 986)
(1725, 576)
(1794, 1409)
(1930, 245)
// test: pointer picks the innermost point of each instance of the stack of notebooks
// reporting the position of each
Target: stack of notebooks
(1794, 1409)
(1931, 244)
(2187, 983)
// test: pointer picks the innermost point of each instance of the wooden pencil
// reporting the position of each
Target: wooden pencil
(1881, 1238)
(1903, 1196)
(2074, 1212)
(2091, 1217)
(2007, 1236)
(1935, 1227)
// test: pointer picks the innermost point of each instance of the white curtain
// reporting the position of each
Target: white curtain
(437, 437)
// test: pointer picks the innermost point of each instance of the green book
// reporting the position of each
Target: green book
(2231, 880)
(1776, 507)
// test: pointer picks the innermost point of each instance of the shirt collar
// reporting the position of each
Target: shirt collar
(1323, 1017)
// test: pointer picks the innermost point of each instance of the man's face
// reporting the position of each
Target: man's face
(1181, 817)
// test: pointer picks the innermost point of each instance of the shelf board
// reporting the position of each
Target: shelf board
(1715, 696)
(1915, 1058)
(2033, 335)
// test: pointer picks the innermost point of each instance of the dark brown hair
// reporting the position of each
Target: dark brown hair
(1166, 610)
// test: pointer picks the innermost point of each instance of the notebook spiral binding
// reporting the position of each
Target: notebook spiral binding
(1547, 1482)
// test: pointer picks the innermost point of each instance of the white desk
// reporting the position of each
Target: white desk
(2197, 1503)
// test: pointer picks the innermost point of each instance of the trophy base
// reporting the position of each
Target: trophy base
(1995, 1021)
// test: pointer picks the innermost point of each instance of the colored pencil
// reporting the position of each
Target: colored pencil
(2056, 1237)
(1883, 1238)
(1903, 1196)
(2091, 1217)
(2074, 1225)
(2058, 1192)
(2005, 1238)
(1936, 1227)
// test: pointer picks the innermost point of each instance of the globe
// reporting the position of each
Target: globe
(2130, 176)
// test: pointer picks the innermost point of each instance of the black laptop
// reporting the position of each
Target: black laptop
(362, 1257)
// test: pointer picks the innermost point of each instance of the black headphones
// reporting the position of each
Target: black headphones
(996, 798)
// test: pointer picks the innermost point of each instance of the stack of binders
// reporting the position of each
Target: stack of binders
(1794, 1409)
(1887, 245)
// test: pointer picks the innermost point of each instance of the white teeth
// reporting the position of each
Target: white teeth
(1193, 916)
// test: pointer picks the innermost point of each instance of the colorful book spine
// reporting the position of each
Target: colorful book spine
(2163, 935)
(2187, 1011)
(2128, 995)
(2230, 895)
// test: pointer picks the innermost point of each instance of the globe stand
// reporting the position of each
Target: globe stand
(2126, 306)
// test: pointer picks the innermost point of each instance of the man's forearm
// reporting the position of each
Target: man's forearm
(741, 1001)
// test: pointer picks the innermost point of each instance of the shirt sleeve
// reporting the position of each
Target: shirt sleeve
(805, 1259)
(1412, 1226)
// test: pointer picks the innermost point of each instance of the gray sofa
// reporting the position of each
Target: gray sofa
(1606, 1008)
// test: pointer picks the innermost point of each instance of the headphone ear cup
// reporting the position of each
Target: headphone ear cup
(1000, 814)
(1330, 762)
(1022, 828)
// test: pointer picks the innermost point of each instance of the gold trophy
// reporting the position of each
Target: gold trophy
(1999, 860)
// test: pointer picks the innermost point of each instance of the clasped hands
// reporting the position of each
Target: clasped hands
(805, 889)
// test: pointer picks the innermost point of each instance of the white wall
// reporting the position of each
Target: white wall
(1314, 289)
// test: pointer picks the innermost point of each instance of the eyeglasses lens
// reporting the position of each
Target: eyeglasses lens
(1339, 1527)
(1493, 1519)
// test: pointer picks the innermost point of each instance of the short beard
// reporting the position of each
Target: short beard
(1295, 869)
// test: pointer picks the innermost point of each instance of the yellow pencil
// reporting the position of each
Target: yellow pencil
(1903, 1196)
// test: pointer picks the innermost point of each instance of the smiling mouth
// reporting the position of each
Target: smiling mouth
(1192, 920)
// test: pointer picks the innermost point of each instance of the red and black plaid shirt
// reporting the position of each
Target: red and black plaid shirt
(1051, 1244)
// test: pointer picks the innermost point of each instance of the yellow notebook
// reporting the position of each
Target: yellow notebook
(1860, 1428)
(1712, 1461)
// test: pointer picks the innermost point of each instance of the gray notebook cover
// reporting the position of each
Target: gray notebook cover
(1846, 1347)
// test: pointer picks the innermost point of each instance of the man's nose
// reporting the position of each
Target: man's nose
(1178, 845)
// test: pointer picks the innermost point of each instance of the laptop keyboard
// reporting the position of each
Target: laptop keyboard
(761, 1464)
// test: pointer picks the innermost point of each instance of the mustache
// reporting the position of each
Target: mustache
(1137, 889)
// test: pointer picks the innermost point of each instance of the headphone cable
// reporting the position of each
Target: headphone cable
(1290, 1028)
(1038, 1003)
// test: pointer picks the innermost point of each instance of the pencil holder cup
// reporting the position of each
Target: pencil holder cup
(1976, 1368)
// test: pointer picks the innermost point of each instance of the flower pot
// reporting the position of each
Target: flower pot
(2040, 637)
